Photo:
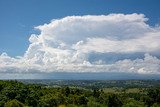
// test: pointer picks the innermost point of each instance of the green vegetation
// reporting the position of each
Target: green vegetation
(18, 94)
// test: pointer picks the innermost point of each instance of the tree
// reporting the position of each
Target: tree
(67, 91)
(82, 100)
(1, 87)
(14, 103)
(154, 94)
(133, 103)
(114, 101)
(96, 93)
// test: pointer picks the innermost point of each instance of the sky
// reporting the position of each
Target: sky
(40, 37)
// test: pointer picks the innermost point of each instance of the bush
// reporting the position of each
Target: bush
(14, 103)
(114, 101)
(133, 103)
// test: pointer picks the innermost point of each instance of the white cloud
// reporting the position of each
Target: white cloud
(65, 45)
(75, 28)
(146, 43)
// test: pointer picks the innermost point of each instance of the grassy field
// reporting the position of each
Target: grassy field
(123, 90)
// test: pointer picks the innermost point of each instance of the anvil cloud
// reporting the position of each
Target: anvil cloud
(65, 45)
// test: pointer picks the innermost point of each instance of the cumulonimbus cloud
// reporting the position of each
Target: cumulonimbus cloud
(65, 45)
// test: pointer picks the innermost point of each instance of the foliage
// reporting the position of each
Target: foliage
(17, 94)
(13, 103)
(133, 103)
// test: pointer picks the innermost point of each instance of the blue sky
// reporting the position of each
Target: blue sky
(55, 37)
(18, 17)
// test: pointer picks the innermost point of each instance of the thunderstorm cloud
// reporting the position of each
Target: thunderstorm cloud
(83, 44)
